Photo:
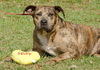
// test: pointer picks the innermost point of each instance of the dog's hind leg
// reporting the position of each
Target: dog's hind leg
(96, 49)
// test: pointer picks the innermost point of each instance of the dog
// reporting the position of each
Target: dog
(60, 38)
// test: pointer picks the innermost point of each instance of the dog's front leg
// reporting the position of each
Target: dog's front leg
(61, 57)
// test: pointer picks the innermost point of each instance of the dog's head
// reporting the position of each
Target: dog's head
(44, 16)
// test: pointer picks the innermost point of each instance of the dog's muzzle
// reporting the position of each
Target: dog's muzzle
(43, 23)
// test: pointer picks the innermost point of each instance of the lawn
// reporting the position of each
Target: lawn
(16, 32)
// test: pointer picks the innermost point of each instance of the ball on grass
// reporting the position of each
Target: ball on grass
(22, 57)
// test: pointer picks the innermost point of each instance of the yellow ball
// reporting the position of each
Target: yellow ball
(22, 57)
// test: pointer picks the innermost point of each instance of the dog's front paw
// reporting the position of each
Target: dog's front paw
(53, 60)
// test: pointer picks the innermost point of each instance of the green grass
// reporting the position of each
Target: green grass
(16, 32)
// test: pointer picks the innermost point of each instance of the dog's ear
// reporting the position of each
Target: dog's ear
(29, 9)
(59, 9)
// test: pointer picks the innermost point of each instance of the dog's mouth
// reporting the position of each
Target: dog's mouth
(45, 28)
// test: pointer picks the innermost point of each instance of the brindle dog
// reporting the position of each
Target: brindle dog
(59, 38)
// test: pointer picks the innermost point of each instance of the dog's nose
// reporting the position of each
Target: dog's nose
(43, 22)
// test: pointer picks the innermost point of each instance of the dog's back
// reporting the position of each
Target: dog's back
(86, 36)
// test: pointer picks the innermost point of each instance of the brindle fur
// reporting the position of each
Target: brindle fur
(62, 39)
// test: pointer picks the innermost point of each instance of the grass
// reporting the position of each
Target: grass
(16, 32)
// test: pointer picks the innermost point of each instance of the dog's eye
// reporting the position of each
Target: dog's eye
(50, 14)
(39, 14)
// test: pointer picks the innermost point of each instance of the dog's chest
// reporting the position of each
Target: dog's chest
(42, 39)
(45, 45)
